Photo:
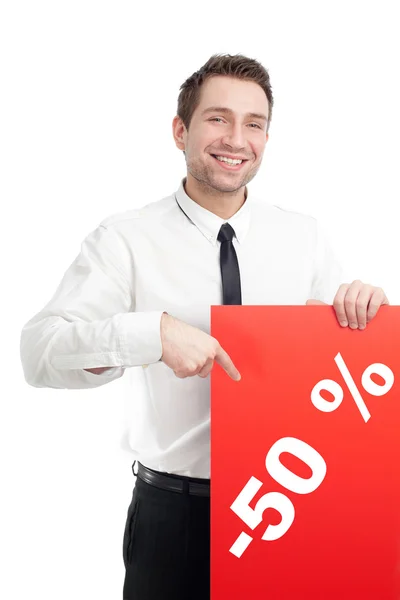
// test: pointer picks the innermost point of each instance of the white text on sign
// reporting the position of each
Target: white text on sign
(286, 478)
(280, 502)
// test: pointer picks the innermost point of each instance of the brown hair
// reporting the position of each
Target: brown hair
(237, 65)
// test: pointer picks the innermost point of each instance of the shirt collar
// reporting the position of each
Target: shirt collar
(207, 222)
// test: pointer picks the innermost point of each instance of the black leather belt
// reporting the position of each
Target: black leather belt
(174, 483)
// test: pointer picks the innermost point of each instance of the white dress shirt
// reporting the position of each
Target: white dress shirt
(107, 308)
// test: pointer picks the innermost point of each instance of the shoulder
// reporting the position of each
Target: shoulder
(153, 211)
(283, 216)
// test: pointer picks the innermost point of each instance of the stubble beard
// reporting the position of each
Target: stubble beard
(211, 183)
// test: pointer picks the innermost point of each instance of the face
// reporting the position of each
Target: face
(229, 123)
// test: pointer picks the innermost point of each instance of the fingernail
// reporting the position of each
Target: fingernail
(344, 323)
(361, 327)
(353, 325)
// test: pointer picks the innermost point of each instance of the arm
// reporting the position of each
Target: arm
(328, 274)
(89, 324)
(355, 304)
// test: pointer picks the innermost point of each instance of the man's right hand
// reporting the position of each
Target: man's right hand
(189, 351)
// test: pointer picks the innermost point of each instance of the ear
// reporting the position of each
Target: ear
(316, 303)
(179, 132)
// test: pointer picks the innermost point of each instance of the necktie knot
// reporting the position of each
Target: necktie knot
(226, 233)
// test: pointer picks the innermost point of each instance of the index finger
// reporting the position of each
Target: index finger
(223, 359)
(338, 304)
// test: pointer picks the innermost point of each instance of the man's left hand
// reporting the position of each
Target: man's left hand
(356, 304)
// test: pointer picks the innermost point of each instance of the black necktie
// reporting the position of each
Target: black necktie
(229, 267)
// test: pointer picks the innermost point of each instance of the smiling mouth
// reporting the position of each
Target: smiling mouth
(233, 164)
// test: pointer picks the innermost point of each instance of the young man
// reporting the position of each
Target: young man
(139, 295)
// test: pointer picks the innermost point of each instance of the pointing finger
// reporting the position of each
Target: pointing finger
(223, 359)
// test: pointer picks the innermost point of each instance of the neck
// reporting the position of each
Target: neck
(222, 204)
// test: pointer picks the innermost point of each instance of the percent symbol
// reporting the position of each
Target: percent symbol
(367, 383)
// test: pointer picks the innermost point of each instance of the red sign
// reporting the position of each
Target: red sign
(305, 456)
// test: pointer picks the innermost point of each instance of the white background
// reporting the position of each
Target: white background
(89, 90)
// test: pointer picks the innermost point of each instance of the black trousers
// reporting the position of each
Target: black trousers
(166, 545)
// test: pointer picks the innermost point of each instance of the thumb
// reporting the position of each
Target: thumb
(316, 303)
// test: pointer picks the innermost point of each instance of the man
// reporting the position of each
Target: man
(139, 294)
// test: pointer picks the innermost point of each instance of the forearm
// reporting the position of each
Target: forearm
(58, 354)
(89, 324)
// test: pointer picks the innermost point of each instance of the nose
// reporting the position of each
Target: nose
(234, 137)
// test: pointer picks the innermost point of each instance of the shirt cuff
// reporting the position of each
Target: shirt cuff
(140, 338)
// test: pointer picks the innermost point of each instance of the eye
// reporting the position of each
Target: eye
(256, 125)
(216, 119)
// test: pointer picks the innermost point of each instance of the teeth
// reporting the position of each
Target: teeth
(229, 160)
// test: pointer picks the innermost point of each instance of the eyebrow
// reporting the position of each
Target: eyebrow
(223, 109)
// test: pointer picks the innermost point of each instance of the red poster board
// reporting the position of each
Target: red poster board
(327, 498)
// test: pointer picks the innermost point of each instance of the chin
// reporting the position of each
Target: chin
(226, 187)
